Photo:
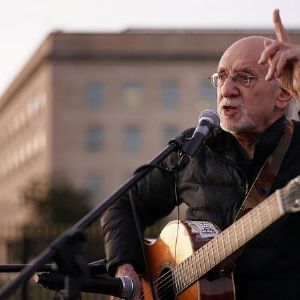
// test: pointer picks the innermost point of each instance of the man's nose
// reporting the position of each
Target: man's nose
(229, 88)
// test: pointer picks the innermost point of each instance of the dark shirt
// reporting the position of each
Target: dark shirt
(263, 149)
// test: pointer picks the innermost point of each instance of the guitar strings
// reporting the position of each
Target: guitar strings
(164, 282)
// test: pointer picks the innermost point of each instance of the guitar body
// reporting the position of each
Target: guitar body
(178, 241)
(186, 259)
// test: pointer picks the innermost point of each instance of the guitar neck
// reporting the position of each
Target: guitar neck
(228, 241)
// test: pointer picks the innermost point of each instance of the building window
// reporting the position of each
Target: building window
(170, 94)
(169, 132)
(208, 95)
(132, 95)
(94, 138)
(35, 103)
(132, 139)
(95, 95)
(20, 155)
(95, 186)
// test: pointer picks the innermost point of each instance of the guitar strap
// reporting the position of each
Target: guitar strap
(261, 187)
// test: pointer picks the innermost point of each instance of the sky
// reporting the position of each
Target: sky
(24, 24)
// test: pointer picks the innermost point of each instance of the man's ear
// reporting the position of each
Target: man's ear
(283, 98)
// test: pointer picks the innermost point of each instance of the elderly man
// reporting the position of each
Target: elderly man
(216, 181)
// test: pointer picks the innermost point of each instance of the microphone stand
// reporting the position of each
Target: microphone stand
(66, 250)
(96, 267)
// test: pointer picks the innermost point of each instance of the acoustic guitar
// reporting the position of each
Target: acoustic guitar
(188, 257)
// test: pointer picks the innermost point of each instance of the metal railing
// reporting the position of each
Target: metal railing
(19, 245)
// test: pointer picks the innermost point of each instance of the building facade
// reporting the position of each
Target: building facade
(92, 107)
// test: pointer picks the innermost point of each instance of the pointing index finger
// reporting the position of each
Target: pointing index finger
(280, 31)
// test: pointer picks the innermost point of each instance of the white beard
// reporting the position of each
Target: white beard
(245, 124)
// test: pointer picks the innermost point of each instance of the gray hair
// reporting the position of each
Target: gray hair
(291, 111)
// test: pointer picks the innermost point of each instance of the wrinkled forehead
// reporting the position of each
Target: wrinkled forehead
(243, 55)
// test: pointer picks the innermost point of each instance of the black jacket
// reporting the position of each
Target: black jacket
(213, 185)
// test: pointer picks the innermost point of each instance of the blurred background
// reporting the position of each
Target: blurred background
(90, 90)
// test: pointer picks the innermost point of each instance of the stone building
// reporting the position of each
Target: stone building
(92, 107)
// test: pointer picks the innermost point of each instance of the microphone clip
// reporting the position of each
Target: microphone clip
(183, 161)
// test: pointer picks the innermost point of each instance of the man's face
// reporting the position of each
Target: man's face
(245, 107)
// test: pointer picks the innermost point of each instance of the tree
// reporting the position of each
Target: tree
(57, 205)
(57, 202)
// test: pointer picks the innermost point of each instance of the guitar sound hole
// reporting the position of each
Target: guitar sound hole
(165, 287)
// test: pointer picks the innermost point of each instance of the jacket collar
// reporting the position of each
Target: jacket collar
(223, 143)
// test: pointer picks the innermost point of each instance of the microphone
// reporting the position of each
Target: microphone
(208, 119)
(122, 287)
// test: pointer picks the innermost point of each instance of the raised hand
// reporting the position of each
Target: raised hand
(283, 58)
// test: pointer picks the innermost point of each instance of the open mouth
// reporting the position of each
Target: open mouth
(228, 108)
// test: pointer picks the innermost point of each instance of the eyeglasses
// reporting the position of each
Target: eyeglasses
(244, 79)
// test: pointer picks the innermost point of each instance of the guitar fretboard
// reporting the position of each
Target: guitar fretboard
(227, 242)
